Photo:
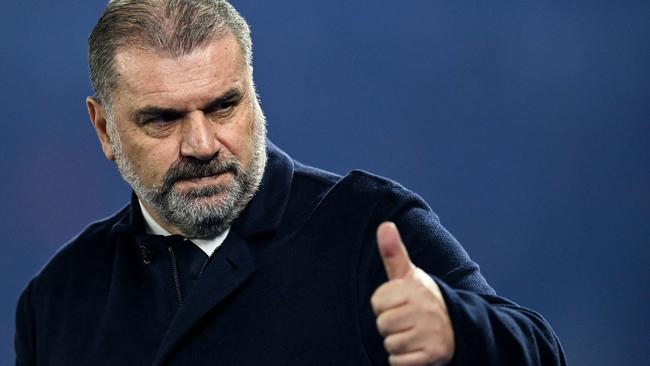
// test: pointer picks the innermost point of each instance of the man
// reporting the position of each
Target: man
(232, 253)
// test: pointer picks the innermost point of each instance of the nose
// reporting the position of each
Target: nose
(199, 139)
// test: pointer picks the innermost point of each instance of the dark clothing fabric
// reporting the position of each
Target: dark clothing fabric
(291, 285)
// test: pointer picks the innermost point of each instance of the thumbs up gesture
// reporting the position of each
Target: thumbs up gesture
(411, 312)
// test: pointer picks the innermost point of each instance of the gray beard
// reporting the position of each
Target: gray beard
(190, 212)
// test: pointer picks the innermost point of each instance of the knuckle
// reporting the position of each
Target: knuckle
(379, 295)
(392, 344)
(374, 301)
(401, 344)
(389, 345)
(399, 282)
(395, 361)
(381, 325)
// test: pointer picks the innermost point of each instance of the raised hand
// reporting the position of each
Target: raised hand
(411, 312)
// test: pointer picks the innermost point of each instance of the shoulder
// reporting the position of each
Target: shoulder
(87, 252)
(361, 186)
(356, 180)
(357, 190)
(376, 186)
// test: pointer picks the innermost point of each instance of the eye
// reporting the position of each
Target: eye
(161, 119)
(224, 107)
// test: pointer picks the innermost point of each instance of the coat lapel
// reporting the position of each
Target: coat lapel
(232, 265)
(229, 268)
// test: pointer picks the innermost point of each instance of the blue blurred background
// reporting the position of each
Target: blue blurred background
(525, 125)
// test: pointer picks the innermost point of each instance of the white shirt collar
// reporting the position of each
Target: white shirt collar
(206, 245)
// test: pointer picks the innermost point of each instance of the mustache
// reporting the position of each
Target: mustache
(189, 168)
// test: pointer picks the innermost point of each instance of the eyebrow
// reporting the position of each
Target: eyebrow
(140, 115)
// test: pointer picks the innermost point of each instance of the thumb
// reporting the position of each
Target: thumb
(393, 253)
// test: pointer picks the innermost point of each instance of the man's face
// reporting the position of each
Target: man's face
(188, 135)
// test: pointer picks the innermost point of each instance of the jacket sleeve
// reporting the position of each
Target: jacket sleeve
(25, 329)
(494, 331)
(489, 330)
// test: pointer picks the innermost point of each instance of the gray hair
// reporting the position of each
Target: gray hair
(175, 27)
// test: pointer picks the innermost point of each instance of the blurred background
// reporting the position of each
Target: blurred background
(525, 125)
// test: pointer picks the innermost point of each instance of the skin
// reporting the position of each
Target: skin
(167, 108)
(411, 311)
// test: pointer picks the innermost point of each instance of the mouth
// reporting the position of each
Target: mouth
(204, 181)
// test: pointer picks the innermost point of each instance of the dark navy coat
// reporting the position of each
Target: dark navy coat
(291, 285)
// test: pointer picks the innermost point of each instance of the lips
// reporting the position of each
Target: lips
(203, 178)
(207, 180)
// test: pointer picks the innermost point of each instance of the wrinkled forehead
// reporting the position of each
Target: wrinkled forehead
(144, 74)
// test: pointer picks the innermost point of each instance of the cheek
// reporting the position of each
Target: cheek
(151, 162)
(238, 138)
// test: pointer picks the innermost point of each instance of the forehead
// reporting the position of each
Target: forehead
(151, 78)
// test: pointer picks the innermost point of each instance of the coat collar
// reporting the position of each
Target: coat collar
(233, 264)
(263, 213)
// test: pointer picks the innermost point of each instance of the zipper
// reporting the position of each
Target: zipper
(176, 278)
(177, 281)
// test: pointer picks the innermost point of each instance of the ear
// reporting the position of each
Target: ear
(98, 118)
